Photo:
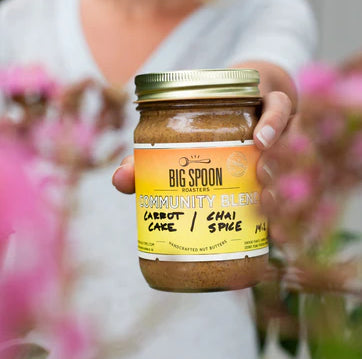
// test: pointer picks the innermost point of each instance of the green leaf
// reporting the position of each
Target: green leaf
(355, 322)
(354, 122)
(334, 349)
(292, 303)
(290, 332)
(261, 339)
(260, 293)
(325, 315)
(337, 241)
(289, 345)
(329, 334)
(356, 316)
(346, 236)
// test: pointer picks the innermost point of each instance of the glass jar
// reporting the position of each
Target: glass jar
(199, 225)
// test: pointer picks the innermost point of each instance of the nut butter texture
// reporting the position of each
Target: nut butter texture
(197, 196)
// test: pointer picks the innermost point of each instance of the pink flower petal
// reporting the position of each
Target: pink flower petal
(73, 339)
(294, 187)
(299, 144)
(18, 80)
(349, 91)
(330, 127)
(318, 79)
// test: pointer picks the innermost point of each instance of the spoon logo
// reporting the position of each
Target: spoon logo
(184, 161)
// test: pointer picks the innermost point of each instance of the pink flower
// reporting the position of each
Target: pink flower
(20, 302)
(299, 144)
(34, 80)
(83, 137)
(73, 339)
(324, 215)
(67, 141)
(21, 200)
(349, 91)
(330, 126)
(16, 194)
(30, 272)
(318, 79)
(295, 187)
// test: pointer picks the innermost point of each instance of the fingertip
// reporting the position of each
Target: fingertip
(123, 178)
(276, 114)
(265, 136)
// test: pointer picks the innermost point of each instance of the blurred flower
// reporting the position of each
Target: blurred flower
(318, 80)
(16, 196)
(72, 338)
(311, 276)
(330, 127)
(30, 274)
(68, 141)
(299, 144)
(326, 212)
(24, 81)
(349, 92)
(44, 150)
(295, 187)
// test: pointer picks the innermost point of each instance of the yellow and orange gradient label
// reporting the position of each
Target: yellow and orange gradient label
(199, 201)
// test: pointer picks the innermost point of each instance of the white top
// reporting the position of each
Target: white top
(144, 322)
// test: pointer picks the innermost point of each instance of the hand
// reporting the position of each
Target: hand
(276, 114)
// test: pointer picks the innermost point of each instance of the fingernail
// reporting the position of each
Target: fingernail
(272, 194)
(115, 172)
(266, 135)
(268, 171)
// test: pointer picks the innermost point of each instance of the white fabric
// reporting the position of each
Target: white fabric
(147, 323)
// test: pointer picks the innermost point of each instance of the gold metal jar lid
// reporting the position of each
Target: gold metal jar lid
(197, 84)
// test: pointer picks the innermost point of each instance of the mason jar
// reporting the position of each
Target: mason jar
(198, 199)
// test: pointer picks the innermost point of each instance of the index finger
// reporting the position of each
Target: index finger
(277, 111)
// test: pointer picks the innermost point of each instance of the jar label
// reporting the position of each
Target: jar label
(199, 201)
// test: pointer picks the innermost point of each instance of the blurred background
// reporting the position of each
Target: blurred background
(340, 37)
(340, 28)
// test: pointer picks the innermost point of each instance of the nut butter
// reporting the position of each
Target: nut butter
(199, 225)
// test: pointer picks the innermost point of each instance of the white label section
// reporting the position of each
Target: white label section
(204, 258)
(194, 144)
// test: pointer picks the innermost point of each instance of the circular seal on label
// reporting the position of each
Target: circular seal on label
(237, 164)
